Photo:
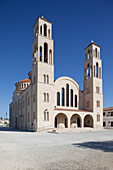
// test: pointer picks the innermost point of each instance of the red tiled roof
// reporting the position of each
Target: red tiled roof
(91, 44)
(22, 81)
(65, 109)
(109, 108)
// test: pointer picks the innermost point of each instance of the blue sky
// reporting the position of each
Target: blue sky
(75, 24)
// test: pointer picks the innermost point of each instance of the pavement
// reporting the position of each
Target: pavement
(66, 149)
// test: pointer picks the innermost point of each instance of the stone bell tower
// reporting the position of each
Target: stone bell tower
(93, 83)
(43, 72)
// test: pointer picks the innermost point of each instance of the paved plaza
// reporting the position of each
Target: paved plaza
(76, 149)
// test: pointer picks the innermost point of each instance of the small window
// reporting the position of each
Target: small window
(47, 116)
(47, 79)
(95, 52)
(58, 99)
(98, 103)
(44, 97)
(104, 113)
(71, 97)
(44, 116)
(111, 113)
(45, 30)
(98, 118)
(47, 97)
(49, 33)
(104, 124)
(40, 53)
(97, 89)
(44, 78)
(75, 100)
(24, 85)
(41, 30)
(23, 103)
(111, 124)
(88, 56)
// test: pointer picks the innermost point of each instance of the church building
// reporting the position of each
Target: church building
(40, 102)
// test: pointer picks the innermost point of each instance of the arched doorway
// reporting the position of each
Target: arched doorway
(75, 121)
(61, 121)
(88, 121)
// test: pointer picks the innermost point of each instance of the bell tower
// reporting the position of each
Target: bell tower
(43, 72)
(93, 83)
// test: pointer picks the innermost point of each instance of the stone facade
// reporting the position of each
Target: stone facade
(41, 102)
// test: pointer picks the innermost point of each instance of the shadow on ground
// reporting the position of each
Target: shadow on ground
(106, 146)
(8, 129)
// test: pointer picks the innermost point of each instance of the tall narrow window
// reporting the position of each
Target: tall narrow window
(67, 94)
(96, 69)
(47, 97)
(95, 52)
(50, 56)
(28, 117)
(58, 98)
(45, 52)
(44, 116)
(44, 97)
(40, 53)
(75, 100)
(47, 116)
(47, 79)
(88, 68)
(71, 98)
(88, 56)
(41, 30)
(85, 74)
(45, 30)
(44, 78)
(49, 33)
(63, 98)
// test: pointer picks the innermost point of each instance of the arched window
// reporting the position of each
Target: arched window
(41, 30)
(67, 94)
(45, 30)
(44, 116)
(96, 69)
(71, 97)
(88, 56)
(75, 100)
(95, 52)
(88, 68)
(47, 97)
(49, 33)
(40, 53)
(58, 98)
(47, 116)
(44, 97)
(50, 56)
(63, 98)
(47, 79)
(44, 78)
(45, 52)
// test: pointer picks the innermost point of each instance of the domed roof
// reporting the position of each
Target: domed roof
(22, 81)
(25, 80)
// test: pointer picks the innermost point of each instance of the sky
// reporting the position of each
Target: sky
(75, 24)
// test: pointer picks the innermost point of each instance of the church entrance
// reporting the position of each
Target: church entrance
(88, 121)
(75, 121)
(61, 121)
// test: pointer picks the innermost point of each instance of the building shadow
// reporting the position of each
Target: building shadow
(9, 129)
(106, 146)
